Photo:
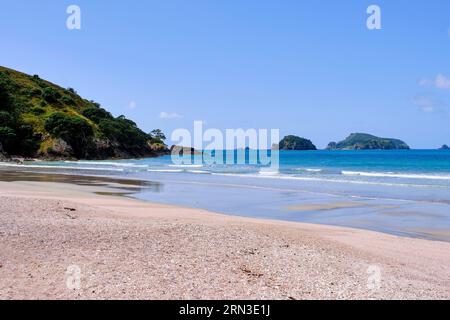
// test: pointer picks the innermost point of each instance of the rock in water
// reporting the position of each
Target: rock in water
(364, 141)
(296, 143)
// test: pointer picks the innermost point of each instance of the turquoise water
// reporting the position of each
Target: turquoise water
(403, 192)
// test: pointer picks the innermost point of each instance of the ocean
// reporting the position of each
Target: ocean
(401, 192)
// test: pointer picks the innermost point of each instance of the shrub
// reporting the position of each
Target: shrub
(71, 90)
(125, 132)
(37, 111)
(50, 95)
(95, 104)
(7, 136)
(97, 114)
(68, 100)
(157, 136)
(36, 92)
(5, 118)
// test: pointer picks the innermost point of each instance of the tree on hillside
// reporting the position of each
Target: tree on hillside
(157, 134)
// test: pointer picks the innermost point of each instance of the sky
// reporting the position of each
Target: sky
(309, 68)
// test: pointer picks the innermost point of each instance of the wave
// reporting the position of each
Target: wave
(186, 165)
(165, 170)
(198, 171)
(270, 173)
(104, 163)
(290, 177)
(309, 169)
(396, 175)
(313, 170)
(60, 167)
(178, 171)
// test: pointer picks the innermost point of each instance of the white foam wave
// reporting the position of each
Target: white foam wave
(185, 165)
(289, 177)
(396, 175)
(198, 171)
(313, 170)
(309, 169)
(165, 170)
(104, 163)
(271, 173)
(60, 167)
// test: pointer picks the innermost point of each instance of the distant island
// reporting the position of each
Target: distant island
(296, 143)
(444, 147)
(364, 141)
(39, 119)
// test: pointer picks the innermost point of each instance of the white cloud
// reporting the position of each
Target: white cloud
(427, 103)
(169, 115)
(425, 82)
(442, 82)
(132, 105)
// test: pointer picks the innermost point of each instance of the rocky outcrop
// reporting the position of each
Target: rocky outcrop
(181, 151)
(296, 143)
(59, 148)
(332, 146)
(2, 155)
(444, 147)
(364, 141)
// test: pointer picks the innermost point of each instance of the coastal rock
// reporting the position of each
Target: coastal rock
(59, 148)
(159, 148)
(332, 146)
(444, 147)
(296, 143)
(364, 141)
(180, 150)
(2, 155)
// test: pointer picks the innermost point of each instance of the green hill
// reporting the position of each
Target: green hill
(364, 141)
(41, 119)
(296, 143)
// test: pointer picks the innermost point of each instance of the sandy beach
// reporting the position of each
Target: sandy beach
(131, 249)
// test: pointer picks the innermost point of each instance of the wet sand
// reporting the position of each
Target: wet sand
(130, 249)
(327, 206)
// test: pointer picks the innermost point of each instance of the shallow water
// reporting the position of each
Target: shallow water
(403, 192)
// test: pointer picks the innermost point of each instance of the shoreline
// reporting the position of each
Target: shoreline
(133, 249)
(135, 186)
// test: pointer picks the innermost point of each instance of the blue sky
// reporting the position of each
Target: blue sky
(309, 68)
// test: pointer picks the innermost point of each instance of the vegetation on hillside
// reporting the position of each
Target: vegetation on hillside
(296, 143)
(364, 141)
(40, 119)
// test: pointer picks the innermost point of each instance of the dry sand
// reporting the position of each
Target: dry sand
(129, 249)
